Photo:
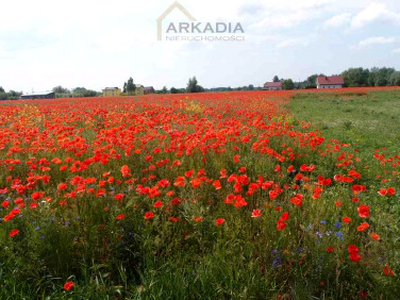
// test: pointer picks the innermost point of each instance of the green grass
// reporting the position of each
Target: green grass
(368, 121)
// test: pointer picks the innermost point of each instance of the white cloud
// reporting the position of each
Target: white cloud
(374, 12)
(285, 19)
(376, 40)
(338, 20)
(396, 50)
(291, 42)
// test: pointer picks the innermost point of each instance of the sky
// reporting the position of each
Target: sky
(96, 44)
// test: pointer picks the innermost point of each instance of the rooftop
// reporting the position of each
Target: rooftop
(39, 93)
(273, 84)
(335, 80)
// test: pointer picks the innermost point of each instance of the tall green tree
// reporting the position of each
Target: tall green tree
(61, 90)
(384, 75)
(3, 94)
(276, 78)
(288, 84)
(174, 90)
(83, 92)
(356, 77)
(129, 86)
(14, 95)
(395, 78)
(380, 76)
(312, 81)
(193, 87)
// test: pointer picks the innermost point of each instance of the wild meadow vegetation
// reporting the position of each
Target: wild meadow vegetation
(368, 120)
(242, 195)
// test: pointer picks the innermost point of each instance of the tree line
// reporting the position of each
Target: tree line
(191, 87)
(353, 77)
(10, 95)
(360, 77)
(62, 92)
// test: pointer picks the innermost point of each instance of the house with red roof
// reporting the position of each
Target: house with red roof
(331, 82)
(273, 86)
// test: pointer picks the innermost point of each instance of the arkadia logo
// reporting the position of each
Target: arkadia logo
(194, 31)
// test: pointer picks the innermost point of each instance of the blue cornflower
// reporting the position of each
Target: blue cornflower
(339, 235)
(276, 262)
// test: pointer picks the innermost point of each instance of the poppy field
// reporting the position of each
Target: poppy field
(198, 196)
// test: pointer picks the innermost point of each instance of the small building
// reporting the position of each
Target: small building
(43, 95)
(111, 92)
(139, 89)
(331, 82)
(273, 86)
(148, 90)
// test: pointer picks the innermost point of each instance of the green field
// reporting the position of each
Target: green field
(367, 120)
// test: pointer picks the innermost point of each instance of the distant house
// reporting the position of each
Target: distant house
(139, 89)
(332, 82)
(148, 90)
(144, 90)
(111, 92)
(273, 86)
(44, 95)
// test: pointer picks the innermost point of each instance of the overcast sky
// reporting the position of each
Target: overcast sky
(95, 44)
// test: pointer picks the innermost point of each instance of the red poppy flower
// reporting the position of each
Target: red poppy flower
(149, 215)
(387, 271)
(198, 219)
(120, 217)
(353, 251)
(119, 196)
(280, 225)
(13, 232)
(391, 191)
(346, 219)
(158, 204)
(363, 226)
(330, 249)
(69, 285)
(375, 236)
(219, 221)
(217, 184)
(363, 211)
(382, 192)
(62, 186)
(256, 213)
(284, 216)
(297, 200)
